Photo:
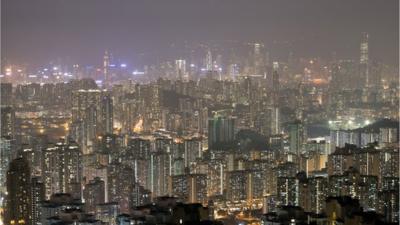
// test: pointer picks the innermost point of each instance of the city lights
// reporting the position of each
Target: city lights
(203, 113)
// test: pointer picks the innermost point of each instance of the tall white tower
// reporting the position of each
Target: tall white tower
(180, 68)
(209, 61)
(106, 64)
(364, 60)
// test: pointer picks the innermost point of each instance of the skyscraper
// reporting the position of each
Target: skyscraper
(107, 114)
(5, 158)
(275, 85)
(191, 188)
(92, 115)
(275, 112)
(50, 171)
(106, 64)
(180, 68)
(159, 173)
(120, 186)
(61, 168)
(237, 185)
(18, 209)
(220, 131)
(193, 151)
(364, 60)
(275, 120)
(7, 123)
(296, 137)
(37, 196)
(83, 99)
(286, 188)
(258, 58)
(198, 188)
(69, 166)
(209, 61)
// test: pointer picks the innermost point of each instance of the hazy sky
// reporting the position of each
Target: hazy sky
(41, 30)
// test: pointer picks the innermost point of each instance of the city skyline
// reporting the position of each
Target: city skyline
(199, 112)
(142, 32)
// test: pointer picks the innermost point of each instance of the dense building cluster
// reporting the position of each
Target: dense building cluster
(240, 141)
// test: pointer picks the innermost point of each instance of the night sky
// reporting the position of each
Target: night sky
(39, 31)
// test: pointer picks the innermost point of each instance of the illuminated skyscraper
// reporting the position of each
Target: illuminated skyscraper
(255, 182)
(351, 183)
(7, 123)
(258, 58)
(50, 170)
(296, 137)
(318, 192)
(198, 188)
(139, 148)
(18, 209)
(375, 79)
(180, 68)
(180, 187)
(275, 112)
(5, 158)
(275, 84)
(159, 173)
(106, 64)
(92, 115)
(287, 190)
(107, 114)
(37, 197)
(364, 60)
(190, 188)
(120, 186)
(275, 120)
(237, 185)
(83, 99)
(69, 165)
(209, 61)
(61, 168)
(193, 151)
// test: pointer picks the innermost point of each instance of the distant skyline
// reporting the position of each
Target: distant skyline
(36, 32)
